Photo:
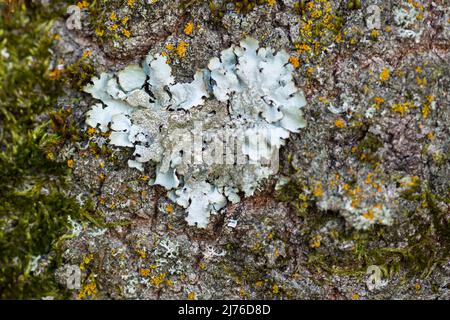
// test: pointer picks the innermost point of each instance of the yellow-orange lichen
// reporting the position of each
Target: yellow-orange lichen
(384, 75)
(188, 28)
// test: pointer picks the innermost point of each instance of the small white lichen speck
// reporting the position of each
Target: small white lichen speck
(210, 139)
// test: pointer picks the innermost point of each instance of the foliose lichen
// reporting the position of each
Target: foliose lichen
(210, 139)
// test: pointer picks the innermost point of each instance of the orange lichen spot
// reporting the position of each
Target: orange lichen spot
(302, 48)
(425, 111)
(82, 4)
(141, 253)
(70, 163)
(144, 272)
(99, 32)
(340, 123)
(169, 46)
(430, 136)
(188, 28)
(131, 3)
(169, 283)
(143, 193)
(54, 74)
(369, 178)
(316, 241)
(421, 81)
(158, 280)
(259, 283)
(271, 2)
(275, 289)
(355, 296)
(295, 61)
(378, 100)
(86, 260)
(181, 49)
(145, 178)
(384, 75)
(169, 208)
(368, 214)
(375, 34)
(310, 6)
(323, 100)
(333, 183)
(191, 296)
(318, 191)
(126, 33)
(89, 290)
(353, 41)
(114, 27)
(355, 203)
(310, 71)
(316, 14)
(402, 108)
(87, 54)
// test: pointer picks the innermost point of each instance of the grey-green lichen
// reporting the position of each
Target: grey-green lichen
(205, 151)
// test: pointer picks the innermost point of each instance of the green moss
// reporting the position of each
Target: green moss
(245, 6)
(79, 73)
(33, 206)
(63, 126)
(370, 143)
(367, 148)
(427, 247)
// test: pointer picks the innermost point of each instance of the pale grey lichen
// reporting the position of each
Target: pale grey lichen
(211, 138)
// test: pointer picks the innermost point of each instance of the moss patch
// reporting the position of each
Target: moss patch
(33, 206)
